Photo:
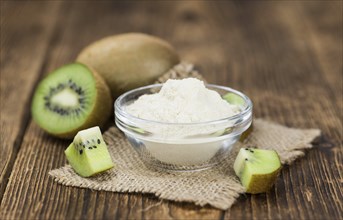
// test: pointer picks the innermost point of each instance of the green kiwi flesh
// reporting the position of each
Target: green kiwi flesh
(88, 154)
(235, 99)
(128, 61)
(69, 99)
(257, 169)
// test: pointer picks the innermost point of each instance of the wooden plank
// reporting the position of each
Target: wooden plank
(287, 85)
(322, 44)
(325, 34)
(25, 38)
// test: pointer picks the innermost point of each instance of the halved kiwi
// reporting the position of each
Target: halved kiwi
(69, 99)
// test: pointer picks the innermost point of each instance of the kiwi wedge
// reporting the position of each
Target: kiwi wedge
(88, 154)
(257, 169)
(130, 60)
(69, 99)
(235, 99)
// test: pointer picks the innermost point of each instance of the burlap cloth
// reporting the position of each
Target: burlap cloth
(217, 186)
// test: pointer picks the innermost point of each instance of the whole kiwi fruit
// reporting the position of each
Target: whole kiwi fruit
(130, 60)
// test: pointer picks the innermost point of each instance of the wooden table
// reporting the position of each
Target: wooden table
(285, 55)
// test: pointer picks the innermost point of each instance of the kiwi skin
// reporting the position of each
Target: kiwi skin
(246, 133)
(130, 60)
(101, 109)
(262, 183)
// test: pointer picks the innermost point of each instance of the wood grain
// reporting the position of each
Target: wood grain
(21, 27)
(287, 56)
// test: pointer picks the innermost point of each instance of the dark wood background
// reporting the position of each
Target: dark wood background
(285, 55)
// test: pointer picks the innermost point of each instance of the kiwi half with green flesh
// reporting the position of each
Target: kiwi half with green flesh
(69, 99)
(88, 154)
(257, 169)
(128, 61)
(235, 99)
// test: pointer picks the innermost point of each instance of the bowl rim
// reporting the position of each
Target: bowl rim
(118, 108)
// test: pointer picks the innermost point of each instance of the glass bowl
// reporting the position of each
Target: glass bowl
(181, 146)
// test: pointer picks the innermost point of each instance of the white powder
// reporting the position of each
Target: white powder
(182, 101)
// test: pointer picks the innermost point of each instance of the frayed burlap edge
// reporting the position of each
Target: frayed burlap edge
(218, 187)
(180, 71)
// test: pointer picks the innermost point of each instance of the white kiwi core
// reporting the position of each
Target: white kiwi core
(66, 98)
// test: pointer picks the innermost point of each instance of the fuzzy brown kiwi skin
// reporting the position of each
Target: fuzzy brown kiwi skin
(130, 60)
(103, 105)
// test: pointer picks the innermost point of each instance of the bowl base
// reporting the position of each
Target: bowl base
(155, 164)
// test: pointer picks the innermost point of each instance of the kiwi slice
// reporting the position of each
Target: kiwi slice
(128, 61)
(88, 154)
(71, 98)
(257, 169)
